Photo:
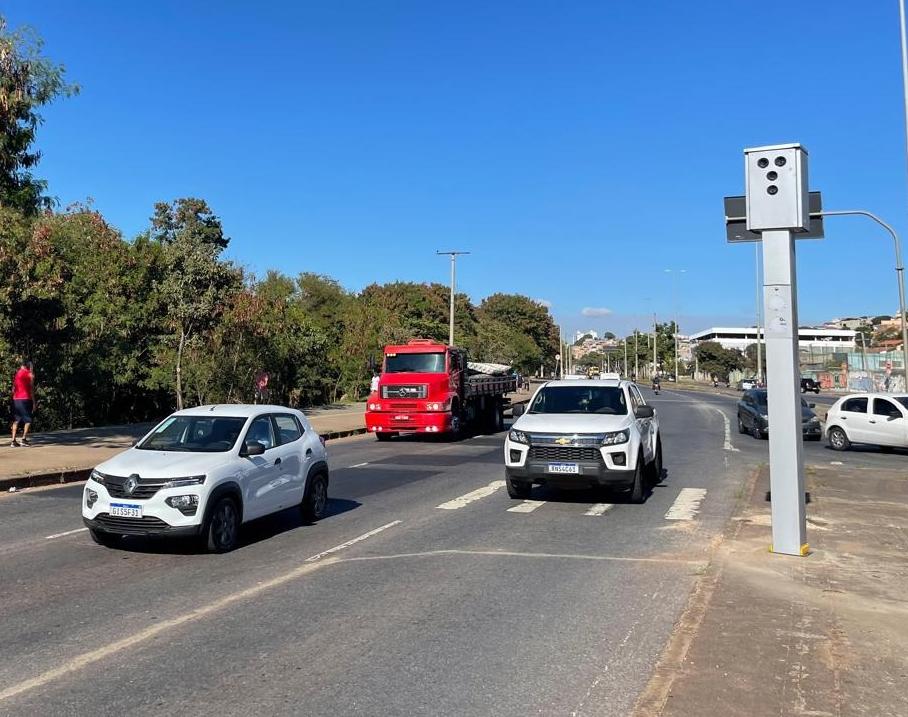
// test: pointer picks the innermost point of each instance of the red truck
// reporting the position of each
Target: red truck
(428, 387)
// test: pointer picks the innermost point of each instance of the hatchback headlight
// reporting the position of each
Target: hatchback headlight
(97, 476)
(616, 437)
(519, 437)
(183, 482)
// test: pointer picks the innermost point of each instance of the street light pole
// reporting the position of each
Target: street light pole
(675, 273)
(759, 305)
(636, 357)
(453, 255)
(899, 268)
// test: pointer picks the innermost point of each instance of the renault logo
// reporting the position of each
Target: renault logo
(131, 484)
(563, 441)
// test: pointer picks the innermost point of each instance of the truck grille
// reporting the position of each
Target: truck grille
(401, 406)
(144, 490)
(410, 391)
(564, 453)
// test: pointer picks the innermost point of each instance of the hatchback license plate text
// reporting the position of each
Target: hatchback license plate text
(572, 468)
(125, 510)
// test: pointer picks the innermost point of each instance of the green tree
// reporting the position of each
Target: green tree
(195, 283)
(717, 360)
(526, 316)
(28, 82)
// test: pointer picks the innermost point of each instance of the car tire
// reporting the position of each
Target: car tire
(518, 489)
(222, 529)
(108, 540)
(741, 427)
(756, 432)
(315, 501)
(655, 466)
(817, 390)
(384, 436)
(838, 439)
(638, 487)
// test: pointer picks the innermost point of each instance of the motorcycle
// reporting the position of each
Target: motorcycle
(656, 387)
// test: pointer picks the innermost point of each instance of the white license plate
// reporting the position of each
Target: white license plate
(571, 468)
(126, 510)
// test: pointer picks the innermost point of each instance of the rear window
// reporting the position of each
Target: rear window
(605, 400)
(855, 405)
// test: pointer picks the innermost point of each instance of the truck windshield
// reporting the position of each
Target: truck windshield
(580, 399)
(194, 434)
(415, 363)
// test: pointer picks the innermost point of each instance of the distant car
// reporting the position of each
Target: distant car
(204, 471)
(808, 384)
(753, 416)
(745, 384)
(874, 418)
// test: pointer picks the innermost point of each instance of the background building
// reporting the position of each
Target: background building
(740, 338)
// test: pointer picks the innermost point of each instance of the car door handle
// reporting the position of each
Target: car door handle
(308, 453)
(872, 421)
(277, 461)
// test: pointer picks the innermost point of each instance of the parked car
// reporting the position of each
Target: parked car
(204, 471)
(879, 419)
(808, 384)
(753, 416)
(591, 434)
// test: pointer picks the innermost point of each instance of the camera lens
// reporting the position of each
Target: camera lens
(772, 176)
(762, 163)
(780, 161)
(772, 189)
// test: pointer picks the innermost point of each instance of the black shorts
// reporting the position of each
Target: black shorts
(22, 410)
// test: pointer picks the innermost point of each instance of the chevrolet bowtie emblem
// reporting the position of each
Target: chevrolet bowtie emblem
(563, 441)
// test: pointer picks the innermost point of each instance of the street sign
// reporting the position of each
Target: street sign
(736, 220)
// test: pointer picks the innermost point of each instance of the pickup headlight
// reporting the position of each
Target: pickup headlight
(615, 438)
(97, 476)
(519, 437)
(183, 482)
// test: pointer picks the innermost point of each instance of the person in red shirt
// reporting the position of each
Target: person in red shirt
(23, 401)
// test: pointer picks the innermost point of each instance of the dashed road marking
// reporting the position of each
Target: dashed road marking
(472, 496)
(68, 532)
(359, 465)
(528, 506)
(599, 508)
(687, 504)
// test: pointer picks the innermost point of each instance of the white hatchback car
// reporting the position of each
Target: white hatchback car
(595, 433)
(204, 471)
(880, 419)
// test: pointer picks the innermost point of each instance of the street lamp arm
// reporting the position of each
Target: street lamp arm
(874, 217)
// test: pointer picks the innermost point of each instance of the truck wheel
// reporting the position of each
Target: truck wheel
(638, 488)
(496, 420)
(517, 489)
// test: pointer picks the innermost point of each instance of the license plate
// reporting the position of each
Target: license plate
(572, 468)
(126, 510)
(402, 417)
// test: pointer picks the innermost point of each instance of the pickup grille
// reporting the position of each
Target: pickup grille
(564, 453)
(144, 490)
(410, 391)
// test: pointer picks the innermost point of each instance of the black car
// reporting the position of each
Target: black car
(808, 384)
(753, 416)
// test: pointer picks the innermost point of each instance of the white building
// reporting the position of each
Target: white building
(740, 338)
(580, 334)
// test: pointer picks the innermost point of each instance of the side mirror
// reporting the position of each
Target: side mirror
(811, 405)
(518, 410)
(252, 448)
(644, 412)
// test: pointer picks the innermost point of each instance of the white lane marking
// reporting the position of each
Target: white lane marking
(687, 504)
(528, 506)
(835, 463)
(599, 508)
(68, 532)
(467, 498)
(359, 465)
(79, 662)
(357, 539)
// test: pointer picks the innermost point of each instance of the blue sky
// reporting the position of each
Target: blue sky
(576, 149)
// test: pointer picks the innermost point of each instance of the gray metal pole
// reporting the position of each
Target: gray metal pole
(899, 271)
(759, 303)
(786, 459)
(655, 347)
(636, 357)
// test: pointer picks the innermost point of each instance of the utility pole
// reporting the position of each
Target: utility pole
(636, 357)
(625, 356)
(655, 347)
(759, 305)
(863, 353)
(453, 255)
(675, 277)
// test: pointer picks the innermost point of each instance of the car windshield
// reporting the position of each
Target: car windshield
(194, 434)
(760, 397)
(580, 399)
(415, 363)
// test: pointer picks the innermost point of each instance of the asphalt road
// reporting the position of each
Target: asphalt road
(390, 605)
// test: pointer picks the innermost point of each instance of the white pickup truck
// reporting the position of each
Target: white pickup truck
(594, 433)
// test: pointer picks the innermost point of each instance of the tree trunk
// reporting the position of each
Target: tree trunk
(179, 386)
